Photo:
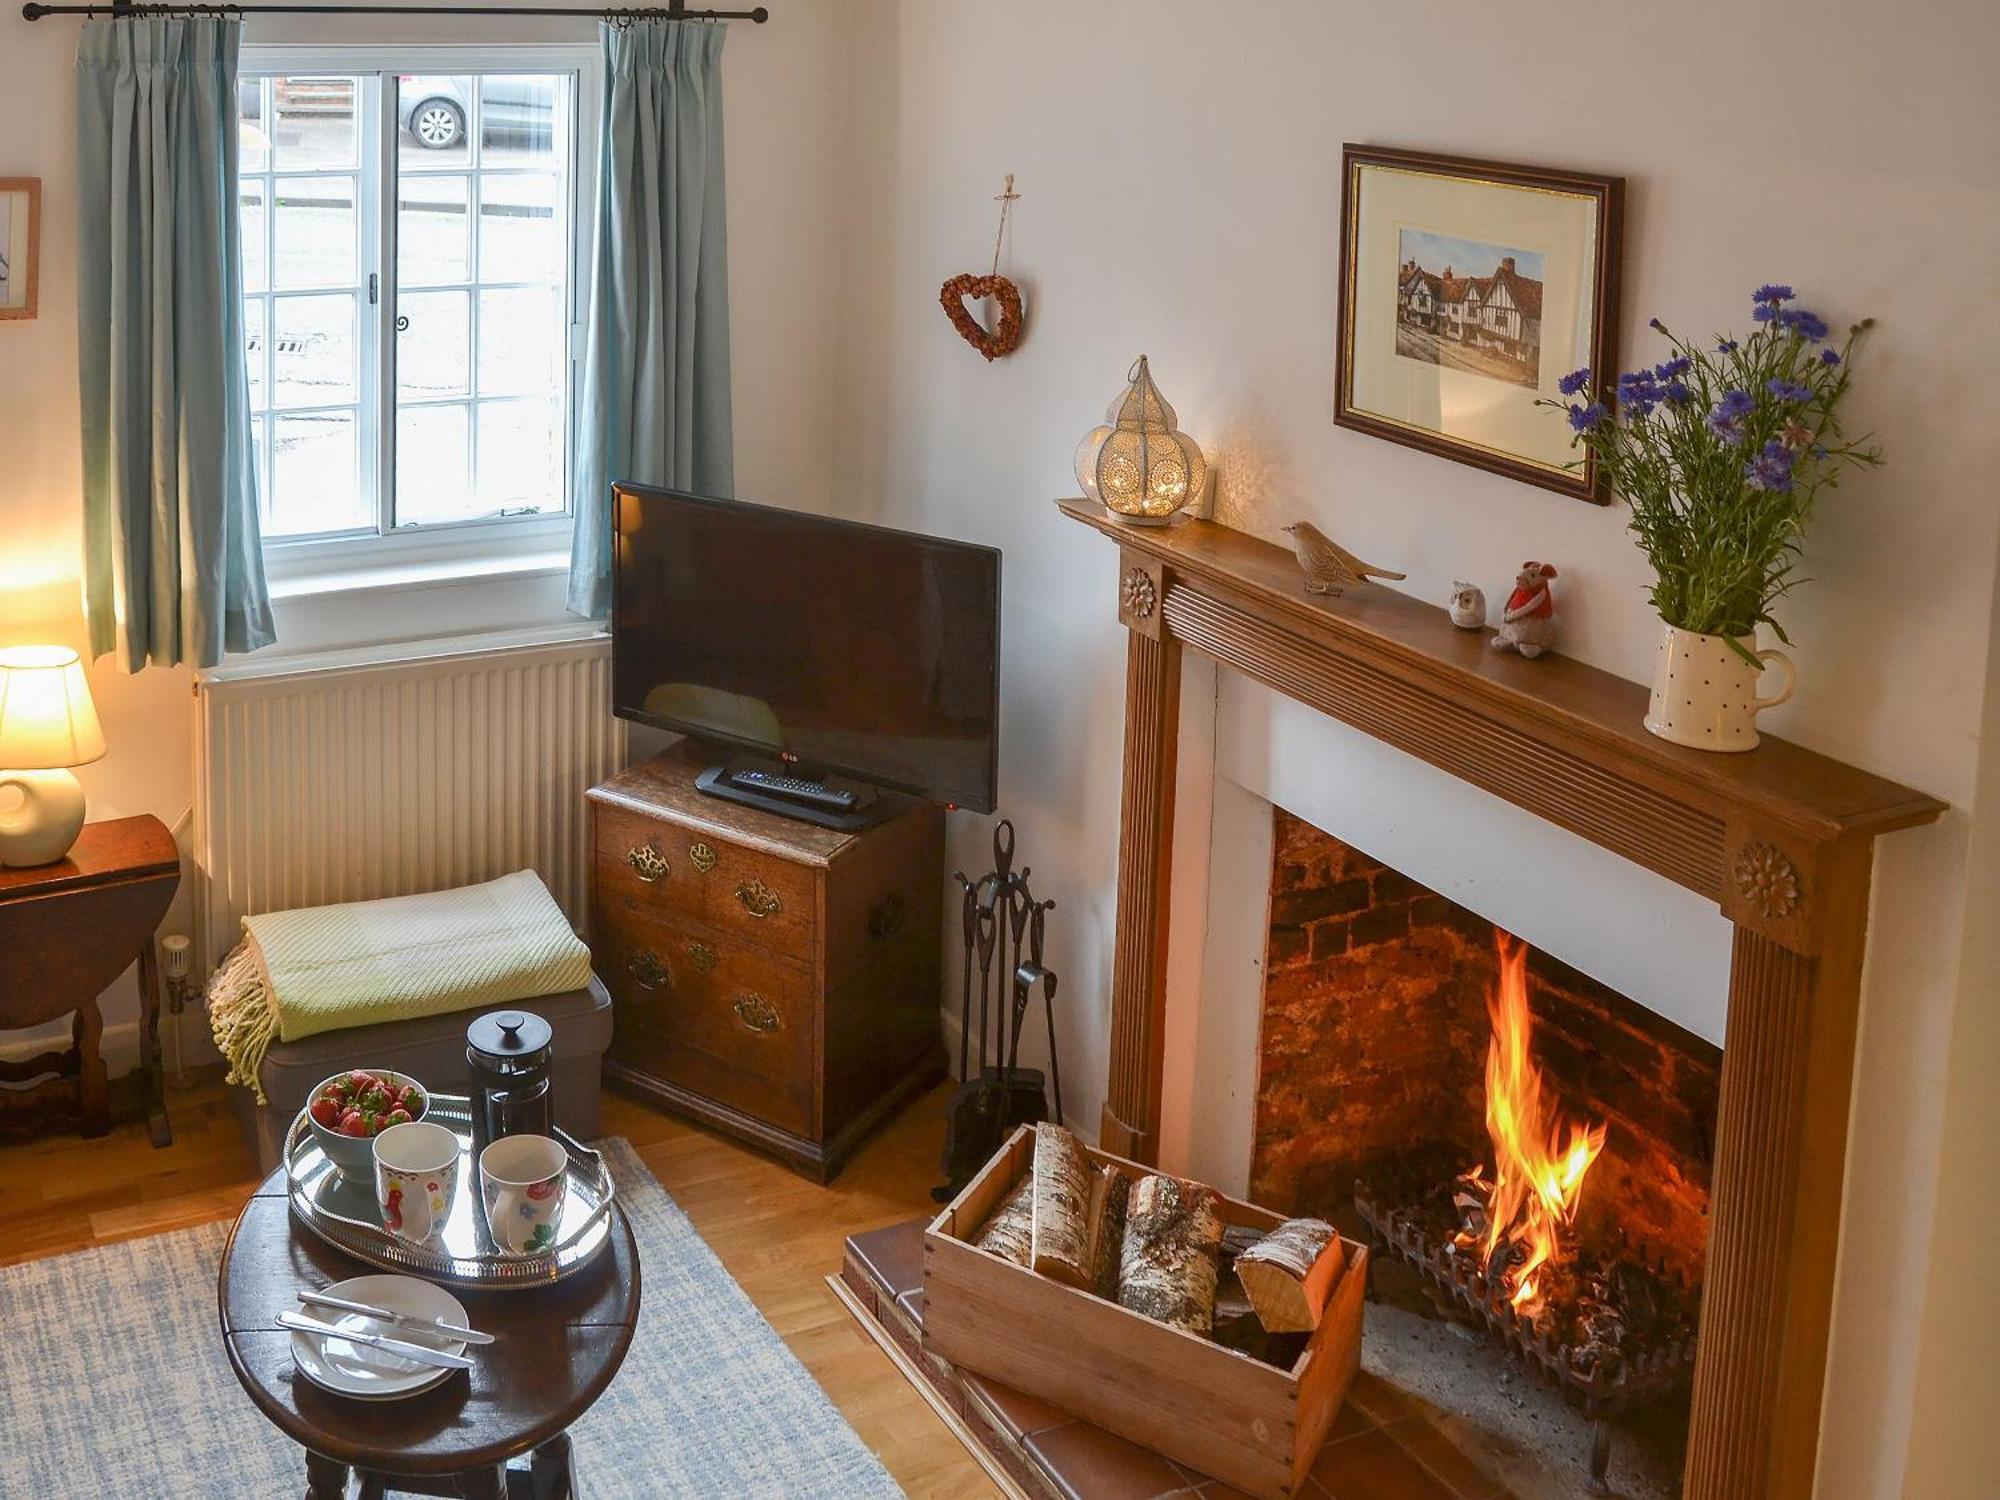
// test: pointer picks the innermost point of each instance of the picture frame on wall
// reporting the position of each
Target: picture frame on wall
(20, 244)
(1467, 290)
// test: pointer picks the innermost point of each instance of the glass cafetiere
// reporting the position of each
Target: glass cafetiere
(508, 1057)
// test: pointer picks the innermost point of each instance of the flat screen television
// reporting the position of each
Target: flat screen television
(841, 648)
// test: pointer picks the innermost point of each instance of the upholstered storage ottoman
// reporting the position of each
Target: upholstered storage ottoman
(430, 1049)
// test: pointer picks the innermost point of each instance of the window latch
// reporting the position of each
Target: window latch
(374, 288)
(519, 510)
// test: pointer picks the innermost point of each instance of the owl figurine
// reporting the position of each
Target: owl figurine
(1468, 606)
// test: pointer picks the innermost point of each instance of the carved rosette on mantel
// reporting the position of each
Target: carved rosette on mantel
(1137, 594)
(1781, 838)
(1141, 586)
(1767, 880)
(1774, 884)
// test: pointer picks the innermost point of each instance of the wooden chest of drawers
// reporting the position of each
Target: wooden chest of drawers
(776, 980)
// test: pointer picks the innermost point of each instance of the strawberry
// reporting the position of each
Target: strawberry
(326, 1112)
(352, 1123)
(359, 1080)
(398, 1116)
(412, 1101)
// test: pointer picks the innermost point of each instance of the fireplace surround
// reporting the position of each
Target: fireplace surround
(1780, 838)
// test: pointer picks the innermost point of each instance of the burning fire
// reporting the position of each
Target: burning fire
(1537, 1177)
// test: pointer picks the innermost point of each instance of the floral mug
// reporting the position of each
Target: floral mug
(522, 1182)
(416, 1176)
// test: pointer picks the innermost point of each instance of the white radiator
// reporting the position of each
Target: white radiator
(334, 780)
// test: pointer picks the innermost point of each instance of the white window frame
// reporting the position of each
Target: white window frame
(477, 544)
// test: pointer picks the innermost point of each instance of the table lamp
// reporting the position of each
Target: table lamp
(1139, 464)
(47, 725)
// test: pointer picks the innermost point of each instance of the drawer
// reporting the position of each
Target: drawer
(714, 1016)
(664, 870)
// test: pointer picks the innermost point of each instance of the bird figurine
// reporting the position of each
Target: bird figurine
(1528, 622)
(1468, 606)
(1330, 567)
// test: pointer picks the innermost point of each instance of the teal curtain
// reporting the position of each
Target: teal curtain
(656, 374)
(173, 564)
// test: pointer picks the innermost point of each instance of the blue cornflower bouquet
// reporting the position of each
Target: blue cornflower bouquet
(1720, 452)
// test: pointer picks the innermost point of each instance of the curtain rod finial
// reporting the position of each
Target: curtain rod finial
(760, 15)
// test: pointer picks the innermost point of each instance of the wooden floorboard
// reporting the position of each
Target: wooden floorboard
(778, 1234)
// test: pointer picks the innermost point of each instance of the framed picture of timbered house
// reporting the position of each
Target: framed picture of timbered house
(1468, 289)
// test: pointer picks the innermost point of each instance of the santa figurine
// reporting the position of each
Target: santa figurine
(1528, 623)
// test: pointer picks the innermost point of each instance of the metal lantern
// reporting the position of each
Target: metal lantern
(1140, 466)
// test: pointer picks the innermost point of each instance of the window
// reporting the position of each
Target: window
(410, 248)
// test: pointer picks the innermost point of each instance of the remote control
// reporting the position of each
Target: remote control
(795, 786)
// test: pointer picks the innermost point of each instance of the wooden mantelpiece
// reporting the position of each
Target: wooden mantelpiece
(1781, 838)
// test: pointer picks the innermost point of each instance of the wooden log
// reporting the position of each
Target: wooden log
(1064, 1187)
(1290, 1273)
(1006, 1233)
(1166, 1270)
(1109, 1209)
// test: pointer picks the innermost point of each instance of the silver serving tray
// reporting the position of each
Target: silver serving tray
(343, 1212)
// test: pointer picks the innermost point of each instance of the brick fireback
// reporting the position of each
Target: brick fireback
(1374, 1040)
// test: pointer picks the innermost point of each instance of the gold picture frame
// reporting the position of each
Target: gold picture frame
(20, 245)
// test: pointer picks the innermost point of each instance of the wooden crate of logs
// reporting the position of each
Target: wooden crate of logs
(1207, 1329)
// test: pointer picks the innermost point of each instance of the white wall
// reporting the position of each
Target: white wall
(782, 97)
(1179, 170)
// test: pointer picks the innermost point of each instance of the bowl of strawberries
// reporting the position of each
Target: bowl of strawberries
(348, 1110)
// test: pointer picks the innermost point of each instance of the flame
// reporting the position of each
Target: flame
(1537, 1178)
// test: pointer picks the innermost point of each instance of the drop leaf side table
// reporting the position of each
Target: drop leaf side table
(67, 931)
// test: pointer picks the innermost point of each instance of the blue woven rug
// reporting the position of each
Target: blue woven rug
(116, 1383)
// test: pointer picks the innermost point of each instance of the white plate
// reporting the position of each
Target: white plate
(351, 1369)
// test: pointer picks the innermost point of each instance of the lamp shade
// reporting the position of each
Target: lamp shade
(47, 720)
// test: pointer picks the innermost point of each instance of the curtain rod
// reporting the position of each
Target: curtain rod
(34, 11)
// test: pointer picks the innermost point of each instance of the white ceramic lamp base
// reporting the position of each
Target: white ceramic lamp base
(42, 828)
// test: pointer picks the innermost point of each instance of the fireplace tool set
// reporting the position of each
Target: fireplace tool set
(1003, 928)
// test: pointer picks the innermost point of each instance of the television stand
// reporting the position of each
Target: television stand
(794, 792)
(775, 981)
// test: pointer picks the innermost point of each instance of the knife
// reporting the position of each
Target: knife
(421, 1354)
(388, 1315)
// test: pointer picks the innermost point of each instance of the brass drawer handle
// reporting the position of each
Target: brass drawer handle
(701, 956)
(648, 970)
(646, 862)
(757, 1013)
(759, 899)
(702, 856)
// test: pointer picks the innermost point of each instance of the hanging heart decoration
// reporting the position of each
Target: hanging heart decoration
(955, 297)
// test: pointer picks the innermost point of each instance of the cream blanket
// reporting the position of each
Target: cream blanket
(324, 968)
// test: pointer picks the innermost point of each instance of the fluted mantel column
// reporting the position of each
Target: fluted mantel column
(1131, 1123)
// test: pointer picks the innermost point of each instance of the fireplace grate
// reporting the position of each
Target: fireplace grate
(1603, 1382)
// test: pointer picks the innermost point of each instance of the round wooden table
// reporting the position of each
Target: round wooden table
(554, 1351)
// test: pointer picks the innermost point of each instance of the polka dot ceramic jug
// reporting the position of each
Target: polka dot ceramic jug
(1705, 691)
